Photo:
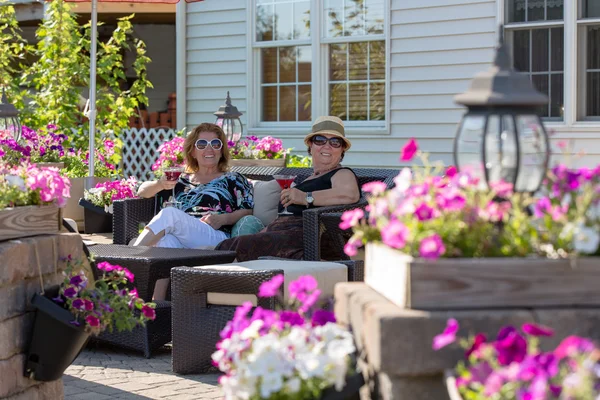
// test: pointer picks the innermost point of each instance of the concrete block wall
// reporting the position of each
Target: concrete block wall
(19, 281)
(395, 344)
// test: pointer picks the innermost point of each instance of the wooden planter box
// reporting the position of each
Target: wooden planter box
(26, 221)
(471, 283)
(280, 162)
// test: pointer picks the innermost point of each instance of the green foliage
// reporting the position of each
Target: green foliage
(13, 48)
(296, 161)
(52, 85)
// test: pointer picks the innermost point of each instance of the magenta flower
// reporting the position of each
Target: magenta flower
(451, 171)
(432, 247)
(92, 321)
(502, 188)
(89, 305)
(510, 345)
(271, 287)
(409, 150)
(351, 248)
(70, 292)
(424, 212)
(374, 187)
(322, 317)
(148, 312)
(128, 274)
(542, 206)
(572, 346)
(105, 266)
(480, 340)
(537, 330)
(291, 318)
(395, 234)
(450, 200)
(350, 218)
(299, 288)
(448, 336)
(310, 300)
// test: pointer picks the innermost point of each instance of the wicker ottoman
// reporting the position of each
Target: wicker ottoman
(205, 298)
(150, 264)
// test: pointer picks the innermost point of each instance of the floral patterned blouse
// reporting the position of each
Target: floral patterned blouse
(225, 194)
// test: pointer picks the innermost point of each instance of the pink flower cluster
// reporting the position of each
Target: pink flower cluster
(50, 184)
(171, 154)
(105, 193)
(106, 304)
(27, 184)
(278, 354)
(252, 147)
(513, 366)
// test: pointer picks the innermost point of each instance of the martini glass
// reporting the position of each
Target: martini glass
(285, 181)
(172, 174)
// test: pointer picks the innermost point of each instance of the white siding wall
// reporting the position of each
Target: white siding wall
(216, 58)
(435, 50)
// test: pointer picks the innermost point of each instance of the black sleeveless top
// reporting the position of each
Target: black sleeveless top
(322, 182)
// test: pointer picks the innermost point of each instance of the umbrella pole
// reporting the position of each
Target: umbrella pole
(92, 114)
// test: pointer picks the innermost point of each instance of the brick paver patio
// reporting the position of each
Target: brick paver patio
(101, 373)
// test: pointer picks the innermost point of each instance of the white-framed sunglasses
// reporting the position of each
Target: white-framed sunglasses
(202, 144)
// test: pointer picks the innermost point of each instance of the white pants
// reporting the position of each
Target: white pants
(183, 230)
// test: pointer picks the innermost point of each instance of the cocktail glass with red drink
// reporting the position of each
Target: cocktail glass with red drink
(172, 174)
(285, 182)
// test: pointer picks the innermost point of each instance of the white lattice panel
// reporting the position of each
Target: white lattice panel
(140, 150)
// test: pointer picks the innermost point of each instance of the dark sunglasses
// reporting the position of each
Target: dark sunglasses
(333, 142)
(202, 144)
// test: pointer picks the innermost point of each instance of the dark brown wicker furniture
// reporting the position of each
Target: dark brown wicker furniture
(196, 324)
(148, 265)
(128, 214)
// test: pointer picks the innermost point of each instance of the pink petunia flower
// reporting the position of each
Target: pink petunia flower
(350, 218)
(409, 150)
(432, 247)
(448, 336)
(395, 234)
(271, 287)
(537, 330)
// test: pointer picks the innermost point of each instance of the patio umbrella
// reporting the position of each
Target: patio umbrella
(94, 31)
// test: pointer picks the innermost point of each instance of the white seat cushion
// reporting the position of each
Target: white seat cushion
(327, 275)
(266, 200)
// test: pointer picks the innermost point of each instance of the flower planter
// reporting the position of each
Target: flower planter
(453, 393)
(95, 219)
(349, 392)
(72, 210)
(469, 283)
(26, 221)
(280, 162)
(55, 342)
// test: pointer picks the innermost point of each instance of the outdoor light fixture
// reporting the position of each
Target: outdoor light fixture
(9, 118)
(501, 136)
(228, 118)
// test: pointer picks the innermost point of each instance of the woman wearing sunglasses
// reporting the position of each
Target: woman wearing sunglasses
(330, 184)
(208, 200)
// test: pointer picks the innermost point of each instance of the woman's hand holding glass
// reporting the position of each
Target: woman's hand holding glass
(166, 184)
(293, 196)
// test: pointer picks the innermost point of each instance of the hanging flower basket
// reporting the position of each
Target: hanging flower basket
(55, 341)
(18, 222)
(95, 219)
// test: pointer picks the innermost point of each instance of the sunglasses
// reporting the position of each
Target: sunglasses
(202, 144)
(334, 142)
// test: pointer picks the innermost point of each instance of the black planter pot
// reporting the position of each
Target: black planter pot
(349, 392)
(55, 342)
(95, 219)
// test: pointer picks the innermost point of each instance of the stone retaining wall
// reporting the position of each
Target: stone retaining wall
(399, 362)
(19, 280)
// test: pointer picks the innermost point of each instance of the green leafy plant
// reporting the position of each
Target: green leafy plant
(296, 161)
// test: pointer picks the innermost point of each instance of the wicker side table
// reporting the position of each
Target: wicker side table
(149, 264)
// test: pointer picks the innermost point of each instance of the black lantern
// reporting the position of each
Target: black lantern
(228, 118)
(9, 118)
(501, 136)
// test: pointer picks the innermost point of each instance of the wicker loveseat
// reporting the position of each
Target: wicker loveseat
(130, 213)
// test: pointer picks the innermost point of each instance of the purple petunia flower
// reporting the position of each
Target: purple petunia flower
(510, 345)
(271, 287)
(74, 322)
(78, 304)
(322, 317)
(70, 292)
(291, 318)
(480, 339)
(76, 280)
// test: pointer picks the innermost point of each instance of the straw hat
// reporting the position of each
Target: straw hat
(328, 126)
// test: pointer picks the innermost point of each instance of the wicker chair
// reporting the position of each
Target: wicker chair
(128, 214)
(197, 324)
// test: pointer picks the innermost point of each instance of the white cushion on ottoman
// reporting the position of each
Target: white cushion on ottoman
(327, 275)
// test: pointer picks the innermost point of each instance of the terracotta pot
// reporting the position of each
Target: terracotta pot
(480, 283)
(73, 210)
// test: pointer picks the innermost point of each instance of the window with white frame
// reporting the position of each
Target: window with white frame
(536, 30)
(348, 56)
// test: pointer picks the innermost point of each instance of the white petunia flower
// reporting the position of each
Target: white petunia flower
(403, 180)
(293, 385)
(252, 330)
(271, 383)
(586, 239)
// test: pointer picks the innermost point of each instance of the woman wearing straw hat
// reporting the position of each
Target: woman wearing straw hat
(330, 184)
